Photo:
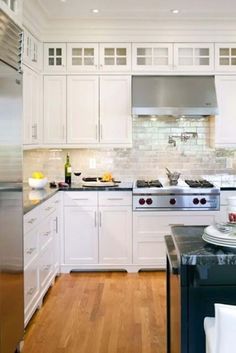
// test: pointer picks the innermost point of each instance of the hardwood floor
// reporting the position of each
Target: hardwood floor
(101, 313)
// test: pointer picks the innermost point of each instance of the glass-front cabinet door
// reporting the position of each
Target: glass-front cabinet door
(115, 57)
(225, 56)
(152, 56)
(193, 56)
(54, 57)
(82, 57)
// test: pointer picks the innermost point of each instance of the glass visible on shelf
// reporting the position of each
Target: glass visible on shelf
(121, 51)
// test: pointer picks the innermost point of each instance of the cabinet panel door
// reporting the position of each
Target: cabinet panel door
(152, 56)
(115, 235)
(225, 122)
(54, 57)
(81, 235)
(115, 110)
(197, 56)
(54, 109)
(82, 57)
(225, 57)
(115, 57)
(82, 109)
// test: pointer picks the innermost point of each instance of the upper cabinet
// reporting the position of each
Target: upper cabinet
(115, 57)
(54, 57)
(152, 56)
(225, 122)
(82, 57)
(13, 8)
(225, 57)
(32, 53)
(193, 57)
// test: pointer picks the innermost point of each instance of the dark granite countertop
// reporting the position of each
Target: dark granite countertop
(192, 250)
(33, 198)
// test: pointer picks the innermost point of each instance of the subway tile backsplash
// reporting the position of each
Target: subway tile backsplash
(148, 157)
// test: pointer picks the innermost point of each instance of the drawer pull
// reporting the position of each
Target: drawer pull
(48, 208)
(46, 234)
(30, 251)
(47, 268)
(31, 291)
(95, 219)
(32, 220)
(100, 219)
(80, 199)
(115, 199)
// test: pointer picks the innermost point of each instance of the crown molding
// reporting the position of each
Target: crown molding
(34, 19)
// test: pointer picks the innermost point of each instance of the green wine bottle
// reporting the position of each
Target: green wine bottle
(68, 170)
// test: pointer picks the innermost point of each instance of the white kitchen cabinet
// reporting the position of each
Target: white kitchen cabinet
(31, 289)
(32, 103)
(225, 121)
(115, 110)
(13, 8)
(149, 229)
(81, 235)
(193, 57)
(54, 57)
(32, 52)
(82, 57)
(82, 109)
(46, 267)
(115, 57)
(225, 57)
(152, 56)
(54, 109)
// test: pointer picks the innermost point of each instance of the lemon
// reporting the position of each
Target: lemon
(37, 175)
(107, 177)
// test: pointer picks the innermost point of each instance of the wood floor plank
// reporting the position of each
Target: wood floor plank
(101, 313)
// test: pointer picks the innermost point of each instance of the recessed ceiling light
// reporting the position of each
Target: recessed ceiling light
(174, 11)
(63, 0)
(95, 11)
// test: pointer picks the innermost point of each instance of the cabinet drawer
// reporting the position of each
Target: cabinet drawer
(32, 218)
(31, 284)
(48, 207)
(45, 233)
(30, 246)
(46, 267)
(80, 198)
(115, 198)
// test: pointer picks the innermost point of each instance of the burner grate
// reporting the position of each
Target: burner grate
(149, 184)
(202, 183)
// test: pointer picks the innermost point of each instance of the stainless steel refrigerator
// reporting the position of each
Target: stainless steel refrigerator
(11, 205)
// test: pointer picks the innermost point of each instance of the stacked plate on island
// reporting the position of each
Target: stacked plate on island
(221, 234)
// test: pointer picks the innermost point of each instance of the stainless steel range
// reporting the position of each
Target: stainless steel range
(187, 195)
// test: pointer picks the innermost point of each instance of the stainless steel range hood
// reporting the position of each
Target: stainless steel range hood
(174, 95)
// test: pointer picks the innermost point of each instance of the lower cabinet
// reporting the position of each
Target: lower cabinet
(99, 233)
(41, 252)
(149, 229)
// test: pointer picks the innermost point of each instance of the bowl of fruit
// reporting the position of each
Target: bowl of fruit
(37, 181)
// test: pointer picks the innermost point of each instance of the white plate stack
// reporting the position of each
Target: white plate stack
(224, 237)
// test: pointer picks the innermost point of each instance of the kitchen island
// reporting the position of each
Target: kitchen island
(198, 275)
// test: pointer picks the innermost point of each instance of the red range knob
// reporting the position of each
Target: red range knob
(172, 201)
(203, 201)
(196, 201)
(149, 201)
(141, 201)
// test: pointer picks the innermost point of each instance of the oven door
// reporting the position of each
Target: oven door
(173, 299)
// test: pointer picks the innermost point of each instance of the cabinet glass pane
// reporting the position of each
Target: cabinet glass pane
(144, 51)
(185, 51)
(160, 61)
(76, 61)
(109, 61)
(202, 51)
(233, 51)
(121, 51)
(77, 51)
(144, 61)
(51, 61)
(201, 61)
(51, 51)
(88, 61)
(89, 51)
(58, 51)
(120, 61)
(233, 61)
(224, 51)
(109, 51)
(186, 61)
(58, 61)
(224, 61)
(160, 51)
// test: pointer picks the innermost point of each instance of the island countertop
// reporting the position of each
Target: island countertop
(193, 250)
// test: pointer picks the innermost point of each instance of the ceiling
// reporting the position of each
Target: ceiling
(139, 9)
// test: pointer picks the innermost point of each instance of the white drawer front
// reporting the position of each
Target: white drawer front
(48, 207)
(30, 246)
(115, 198)
(32, 218)
(45, 233)
(46, 266)
(31, 284)
(80, 198)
